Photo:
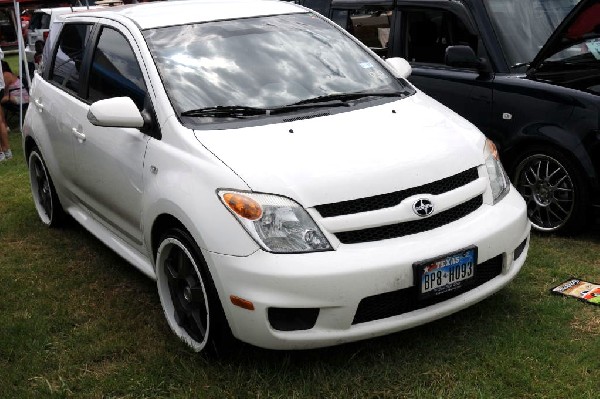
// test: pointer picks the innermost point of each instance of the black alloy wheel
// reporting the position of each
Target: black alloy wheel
(188, 295)
(43, 192)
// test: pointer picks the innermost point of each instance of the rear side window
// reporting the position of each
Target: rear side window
(69, 56)
(39, 20)
(115, 71)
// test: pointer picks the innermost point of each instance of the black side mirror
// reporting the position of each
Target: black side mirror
(464, 57)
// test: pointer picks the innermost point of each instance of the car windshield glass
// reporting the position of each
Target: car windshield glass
(523, 27)
(263, 63)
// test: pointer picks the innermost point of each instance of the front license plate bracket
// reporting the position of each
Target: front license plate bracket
(445, 273)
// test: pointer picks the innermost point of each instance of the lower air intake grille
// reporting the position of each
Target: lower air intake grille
(519, 249)
(412, 227)
(395, 303)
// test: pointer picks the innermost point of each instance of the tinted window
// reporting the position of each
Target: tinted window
(7, 28)
(115, 71)
(372, 27)
(430, 32)
(69, 56)
(39, 20)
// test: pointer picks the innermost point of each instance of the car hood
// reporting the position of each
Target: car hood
(581, 24)
(350, 155)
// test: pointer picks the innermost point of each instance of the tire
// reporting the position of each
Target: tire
(556, 194)
(46, 200)
(188, 295)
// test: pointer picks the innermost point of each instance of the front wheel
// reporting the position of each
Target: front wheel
(555, 193)
(188, 295)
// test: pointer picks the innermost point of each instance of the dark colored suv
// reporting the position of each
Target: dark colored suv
(527, 73)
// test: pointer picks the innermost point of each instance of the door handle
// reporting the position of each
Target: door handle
(79, 135)
(38, 104)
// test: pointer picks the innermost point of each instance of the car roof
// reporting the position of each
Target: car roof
(170, 13)
(63, 9)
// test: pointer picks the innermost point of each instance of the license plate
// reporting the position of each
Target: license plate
(445, 273)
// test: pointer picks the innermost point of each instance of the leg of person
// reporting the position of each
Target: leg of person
(4, 144)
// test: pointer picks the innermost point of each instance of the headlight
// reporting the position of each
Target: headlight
(498, 178)
(276, 223)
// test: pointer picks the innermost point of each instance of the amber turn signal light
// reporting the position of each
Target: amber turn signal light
(243, 206)
(242, 303)
(492, 149)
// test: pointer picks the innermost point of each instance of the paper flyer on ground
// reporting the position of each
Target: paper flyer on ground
(582, 290)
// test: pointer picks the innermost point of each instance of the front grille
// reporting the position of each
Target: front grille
(411, 227)
(395, 303)
(392, 199)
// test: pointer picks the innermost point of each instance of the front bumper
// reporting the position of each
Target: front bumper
(335, 282)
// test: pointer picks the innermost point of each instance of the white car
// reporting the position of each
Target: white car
(282, 184)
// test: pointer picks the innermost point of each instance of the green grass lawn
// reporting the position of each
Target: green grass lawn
(78, 321)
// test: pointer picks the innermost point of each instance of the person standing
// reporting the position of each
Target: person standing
(5, 152)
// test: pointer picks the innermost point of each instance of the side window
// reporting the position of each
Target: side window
(69, 55)
(7, 29)
(429, 32)
(115, 71)
(371, 27)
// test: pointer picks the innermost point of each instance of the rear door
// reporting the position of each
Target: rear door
(56, 104)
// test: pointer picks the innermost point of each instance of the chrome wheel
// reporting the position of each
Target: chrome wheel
(549, 190)
(182, 293)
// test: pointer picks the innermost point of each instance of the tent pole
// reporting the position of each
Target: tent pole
(21, 58)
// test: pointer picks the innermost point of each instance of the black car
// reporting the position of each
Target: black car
(527, 73)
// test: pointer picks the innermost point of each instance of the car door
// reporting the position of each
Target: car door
(57, 105)
(110, 160)
(422, 36)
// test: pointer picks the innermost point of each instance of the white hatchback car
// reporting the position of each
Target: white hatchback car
(282, 184)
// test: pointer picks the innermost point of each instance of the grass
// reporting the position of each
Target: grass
(78, 321)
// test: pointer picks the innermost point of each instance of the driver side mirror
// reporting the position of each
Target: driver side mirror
(464, 57)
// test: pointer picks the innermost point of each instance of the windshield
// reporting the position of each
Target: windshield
(263, 63)
(524, 26)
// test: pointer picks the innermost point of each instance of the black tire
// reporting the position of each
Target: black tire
(188, 295)
(554, 189)
(44, 194)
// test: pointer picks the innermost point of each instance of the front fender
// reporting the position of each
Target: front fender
(189, 195)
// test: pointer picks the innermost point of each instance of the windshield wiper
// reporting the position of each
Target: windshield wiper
(343, 97)
(520, 64)
(330, 100)
(226, 111)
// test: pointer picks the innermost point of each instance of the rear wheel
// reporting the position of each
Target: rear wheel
(188, 295)
(44, 194)
(556, 195)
